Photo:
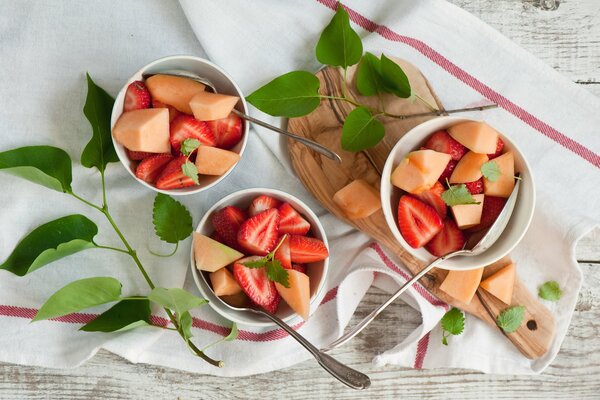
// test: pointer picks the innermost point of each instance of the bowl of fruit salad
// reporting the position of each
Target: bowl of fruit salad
(173, 134)
(260, 248)
(446, 181)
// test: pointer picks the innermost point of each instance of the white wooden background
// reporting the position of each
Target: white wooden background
(568, 39)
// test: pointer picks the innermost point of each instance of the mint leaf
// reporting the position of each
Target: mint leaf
(233, 334)
(491, 171)
(368, 76)
(276, 273)
(176, 299)
(361, 130)
(550, 291)
(394, 79)
(189, 169)
(125, 315)
(290, 95)
(172, 221)
(256, 264)
(511, 318)
(457, 195)
(453, 323)
(188, 146)
(339, 45)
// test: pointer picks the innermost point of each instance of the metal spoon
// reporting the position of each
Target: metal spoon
(469, 250)
(307, 142)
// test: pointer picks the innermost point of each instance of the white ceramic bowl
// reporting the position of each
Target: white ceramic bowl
(516, 228)
(223, 83)
(317, 271)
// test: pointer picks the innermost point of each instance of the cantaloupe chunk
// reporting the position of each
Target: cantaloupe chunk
(297, 296)
(144, 130)
(208, 106)
(476, 136)
(358, 199)
(468, 215)
(237, 300)
(505, 184)
(215, 161)
(501, 283)
(419, 170)
(174, 90)
(468, 168)
(223, 283)
(462, 285)
(211, 255)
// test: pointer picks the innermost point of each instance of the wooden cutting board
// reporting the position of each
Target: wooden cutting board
(323, 177)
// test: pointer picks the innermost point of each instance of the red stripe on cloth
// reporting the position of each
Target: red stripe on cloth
(519, 112)
(422, 346)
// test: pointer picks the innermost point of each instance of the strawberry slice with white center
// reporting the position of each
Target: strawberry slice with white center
(262, 203)
(418, 222)
(150, 168)
(449, 239)
(254, 282)
(433, 197)
(283, 252)
(227, 131)
(442, 142)
(258, 235)
(137, 97)
(227, 222)
(172, 177)
(291, 221)
(307, 249)
(187, 127)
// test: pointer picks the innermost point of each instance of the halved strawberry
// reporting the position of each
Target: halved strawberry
(492, 207)
(447, 172)
(258, 235)
(283, 252)
(291, 221)
(449, 239)
(475, 187)
(307, 249)
(173, 112)
(299, 268)
(137, 96)
(418, 222)
(433, 197)
(256, 285)
(227, 131)
(150, 168)
(262, 203)
(172, 176)
(187, 127)
(227, 222)
(442, 142)
(499, 147)
(138, 155)
(217, 236)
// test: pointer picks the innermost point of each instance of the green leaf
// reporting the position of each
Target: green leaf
(290, 95)
(550, 291)
(511, 318)
(189, 169)
(79, 295)
(45, 165)
(172, 221)
(256, 264)
(185, 324)
(339, 45)
(123, 316)
(276, 273)
(98, 108)
(361, 130)
(189, 145)
(368, 76)
(394, 79)
(175, 299)
(233, 334)
(453, 321)
(50, 242)
(458, 195)
(491, 171)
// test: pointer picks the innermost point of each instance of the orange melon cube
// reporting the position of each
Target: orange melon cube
(502, 283)
(215, 161)
(505, 184)
(211, 255)
(358, 199)
(468, 215)
(462, 285)
(144, 130)
(208, 106)
(468, 168)
(223, 283)
(237, 300)
(174, 91)
(297, 296)
(476, 136)
(419, 170)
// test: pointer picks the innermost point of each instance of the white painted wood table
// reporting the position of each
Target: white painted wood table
(568, 39)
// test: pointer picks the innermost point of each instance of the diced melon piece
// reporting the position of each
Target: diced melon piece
(468, 215)
(237, 300)
(358, 199)
(208, 106)
(468, 168)
(420, 170)
(505, 184)
(462, 285)
(144, 130)
(174, 90)
(223, 283)
(501, 283)
(211, 255)
(476, 136)
(215, 161)
(297, 296)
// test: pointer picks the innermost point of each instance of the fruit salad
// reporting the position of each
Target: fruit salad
(455, 185)
(259, 255)
(176, 131)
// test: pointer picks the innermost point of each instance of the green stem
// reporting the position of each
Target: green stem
(111, 248)
(345, 84)
(104, 204)
(441, 112)
(165, 255)
(429, 105)
(346, 99)
(85, 201)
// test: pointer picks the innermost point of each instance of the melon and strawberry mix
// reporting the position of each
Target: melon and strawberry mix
(176, 131)
(260, 255)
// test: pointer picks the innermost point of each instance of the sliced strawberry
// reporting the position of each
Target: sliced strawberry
(499, 147)
(258, 235)
(442, 142)
(262, 203)
(256, 285)
(492, 207)
(150, 168)
(138, 155)
(227, 131)
(187, 127)
(283, 252)
(307, 249)
(173, 112)
(449, 239)
(137, 97)
(447, 172)
(291, 221)
(299, 268)
(433, 197)
(418, 222)
(217, 236)
(227, 222)
(172, 176)
(475, 187)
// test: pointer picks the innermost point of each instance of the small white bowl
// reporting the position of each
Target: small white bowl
(204, 68)
(317, 271)
(519, 221)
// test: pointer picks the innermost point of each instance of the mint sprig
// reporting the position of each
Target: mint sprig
(188, 146)
(457, 195)
(491, 171)
(453, 323)
(510, 319)
(273, 268)
(550, 291)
